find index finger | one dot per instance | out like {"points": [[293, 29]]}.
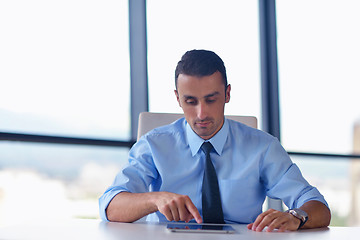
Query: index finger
{"points": [[193, 211]]}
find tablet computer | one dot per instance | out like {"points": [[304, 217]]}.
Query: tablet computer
{"points": [[200, 228]]}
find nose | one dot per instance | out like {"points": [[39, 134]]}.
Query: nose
{"points": [[202, 111]]}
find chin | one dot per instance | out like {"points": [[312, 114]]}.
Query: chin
{"points": [[204, 136]]}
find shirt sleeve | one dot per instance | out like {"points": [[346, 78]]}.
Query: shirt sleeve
{"points": [[283, 179], [135, 177]]}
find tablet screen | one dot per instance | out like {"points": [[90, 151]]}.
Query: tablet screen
{"points": [[209, 228]]}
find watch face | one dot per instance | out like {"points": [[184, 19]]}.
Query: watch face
{"points": [[302, 213]]}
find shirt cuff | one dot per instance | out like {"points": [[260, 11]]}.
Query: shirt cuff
{"points": [[104, 201]]}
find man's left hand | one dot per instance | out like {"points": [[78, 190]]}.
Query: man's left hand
{"points": [[273, 219]]}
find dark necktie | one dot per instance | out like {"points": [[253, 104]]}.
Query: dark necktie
{"points": [[211, 202]]}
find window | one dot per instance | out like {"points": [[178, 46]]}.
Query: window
{"points": [[64, 70], [229, 28], [318, 52], [54, 182]]}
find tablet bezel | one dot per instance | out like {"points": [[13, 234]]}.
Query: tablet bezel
{"points": [[200, 228]]}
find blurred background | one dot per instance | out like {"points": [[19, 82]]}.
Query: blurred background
{"points": [[74, 74]]}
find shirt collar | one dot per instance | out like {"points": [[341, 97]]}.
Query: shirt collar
{"points": [[218, 140]]}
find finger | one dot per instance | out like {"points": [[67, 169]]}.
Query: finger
{"points": [[185, 215], [258, 220], [174, 211], [167, 213], [194, 212], [276, 223], [249, 226], [266, 220], [283, 228], [283, 222]]}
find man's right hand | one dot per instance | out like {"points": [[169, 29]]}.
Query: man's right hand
{"points": [[176, 207], [129, 207]]}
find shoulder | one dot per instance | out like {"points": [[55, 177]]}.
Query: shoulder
{"points": [[175, 129], [160, 138], [253, 140], [241, 130]]}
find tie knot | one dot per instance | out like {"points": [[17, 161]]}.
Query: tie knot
{"points": [[206, 147]]}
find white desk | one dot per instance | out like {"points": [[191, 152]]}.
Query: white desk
{"points": [[95, 229]]}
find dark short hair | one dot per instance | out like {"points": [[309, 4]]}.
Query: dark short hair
{"points": [[200, 63]]}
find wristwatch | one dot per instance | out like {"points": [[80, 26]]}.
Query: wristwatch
{"points": [[299, 214]]}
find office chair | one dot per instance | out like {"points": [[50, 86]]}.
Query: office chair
{"points": [[151, 120]]}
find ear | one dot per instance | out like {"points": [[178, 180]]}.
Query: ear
{"points": [[177, 97], [227, 93]]}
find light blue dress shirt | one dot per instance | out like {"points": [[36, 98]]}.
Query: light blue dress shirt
{"points": [[250, 165]]}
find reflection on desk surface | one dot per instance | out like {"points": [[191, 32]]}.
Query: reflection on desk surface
{"points": [[96, 229]]}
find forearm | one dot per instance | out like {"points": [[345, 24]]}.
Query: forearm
{"points": [[129, 207], [319, 215]]}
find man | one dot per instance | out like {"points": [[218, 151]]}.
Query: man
{"points": [[165, 173]]}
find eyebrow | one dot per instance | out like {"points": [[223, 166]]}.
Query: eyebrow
{"points": [[212, 94], [206, 96]]}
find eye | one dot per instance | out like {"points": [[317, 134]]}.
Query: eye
{"points": [[210, 100], [191, 101]]}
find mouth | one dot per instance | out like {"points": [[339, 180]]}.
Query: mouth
{"points": [[203, 124]]}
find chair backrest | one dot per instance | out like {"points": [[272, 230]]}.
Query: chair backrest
{"points": [[150, 120]]}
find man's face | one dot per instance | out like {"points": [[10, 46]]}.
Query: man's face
{"points": [[203, 100]]}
